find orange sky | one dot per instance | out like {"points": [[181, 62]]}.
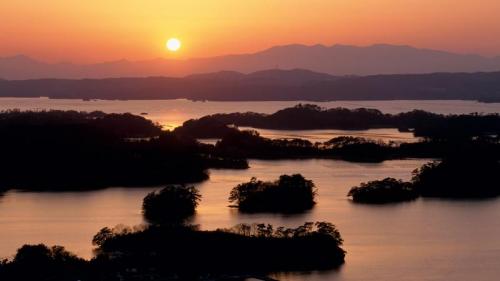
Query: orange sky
{"points": [[87, 31]]}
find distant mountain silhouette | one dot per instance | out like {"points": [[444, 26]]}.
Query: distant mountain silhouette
{"points": [[294, 84], [294, 77], [334, 60]]}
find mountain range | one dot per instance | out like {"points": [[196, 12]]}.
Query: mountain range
{"points": [[338, 60]]}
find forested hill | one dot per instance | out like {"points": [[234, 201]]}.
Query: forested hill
{"points": [[268, 85]]}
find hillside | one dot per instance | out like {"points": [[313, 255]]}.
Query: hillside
{"points": [[267, 85]]}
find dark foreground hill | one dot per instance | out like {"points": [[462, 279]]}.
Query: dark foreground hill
{"points": [[60, 150], [267, 85]]}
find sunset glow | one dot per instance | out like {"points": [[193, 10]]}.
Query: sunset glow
{"points": [[137, 30], [250, 140]]}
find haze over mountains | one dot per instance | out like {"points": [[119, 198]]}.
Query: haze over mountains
{"points": [[267, 85], [335, 60]]}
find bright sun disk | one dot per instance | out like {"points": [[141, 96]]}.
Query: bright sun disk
{"points": [[173, 44]]}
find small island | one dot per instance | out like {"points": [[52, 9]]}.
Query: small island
{"points": [[313, 117], [171, 205], [388, 190], [474, 174], [467, 176], [288, 194], [184, 253]]}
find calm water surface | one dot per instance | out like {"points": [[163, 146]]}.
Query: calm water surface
{"points": [[385, 134], [420, 240]]}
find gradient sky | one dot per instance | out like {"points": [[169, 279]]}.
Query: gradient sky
{"points": [[87, 31]]}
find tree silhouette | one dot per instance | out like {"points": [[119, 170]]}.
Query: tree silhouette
{"points": [[171, 205], [387, 190], [473, 175], [39, 262], [288, 194]]}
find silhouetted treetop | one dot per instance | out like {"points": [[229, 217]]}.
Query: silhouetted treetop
{"points": [[267, 230], [171, 205], [344, 141], [388, 190], [288, 194], [39, 262], [107, 233], [462, 176]]}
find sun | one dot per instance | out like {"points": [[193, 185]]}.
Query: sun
{"points": [[173, 44]]}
